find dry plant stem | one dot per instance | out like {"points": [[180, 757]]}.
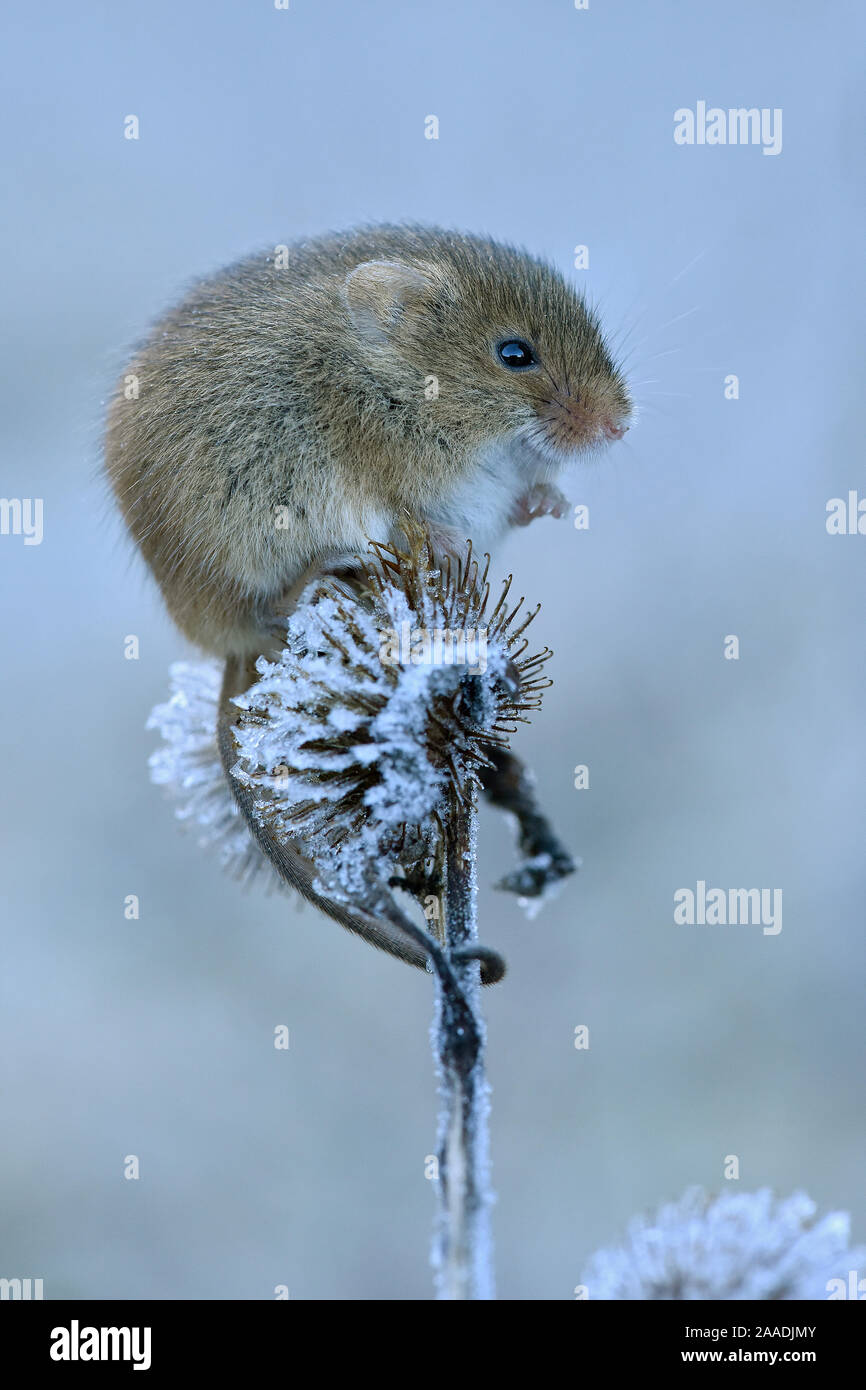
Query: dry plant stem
{"points": [[462, 1251]]}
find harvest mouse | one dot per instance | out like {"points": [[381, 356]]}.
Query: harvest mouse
{"points": [[292, 407]]}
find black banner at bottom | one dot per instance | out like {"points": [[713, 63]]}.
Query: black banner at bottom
{"points": [[157, 1339]]}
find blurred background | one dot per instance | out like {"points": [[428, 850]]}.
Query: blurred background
{"points": [[154, 1037]]}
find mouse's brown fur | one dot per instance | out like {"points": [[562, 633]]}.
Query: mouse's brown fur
{"points": [[287, 415]]}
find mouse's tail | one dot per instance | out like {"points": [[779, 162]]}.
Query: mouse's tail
{"points": [[392, 931]]}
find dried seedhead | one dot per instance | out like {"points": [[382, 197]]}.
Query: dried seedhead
{"points": [[384, 705]]}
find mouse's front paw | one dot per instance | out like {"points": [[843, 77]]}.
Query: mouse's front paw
{"points": [[541, 500]]}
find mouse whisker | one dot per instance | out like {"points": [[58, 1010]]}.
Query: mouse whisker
{"points": [[553, 382]]}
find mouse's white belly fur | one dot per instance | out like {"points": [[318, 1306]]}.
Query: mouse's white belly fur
{"points": [[482, 504]]}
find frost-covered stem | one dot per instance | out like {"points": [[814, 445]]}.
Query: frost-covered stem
{"points": [[462, 1249]]}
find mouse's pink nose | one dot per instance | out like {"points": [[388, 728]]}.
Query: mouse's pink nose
{"points": [[612, 430]]}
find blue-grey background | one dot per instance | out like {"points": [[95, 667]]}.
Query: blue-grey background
{"points": [[155, 1037]]}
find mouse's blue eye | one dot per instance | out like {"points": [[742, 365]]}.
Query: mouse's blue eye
{"points": [[515, 354]]}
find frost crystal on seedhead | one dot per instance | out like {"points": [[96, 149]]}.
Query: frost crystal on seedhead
{"points": [[188, 766], [734, 1246]]}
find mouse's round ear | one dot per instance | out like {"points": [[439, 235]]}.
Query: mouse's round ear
{"points": [[379, 293]]}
